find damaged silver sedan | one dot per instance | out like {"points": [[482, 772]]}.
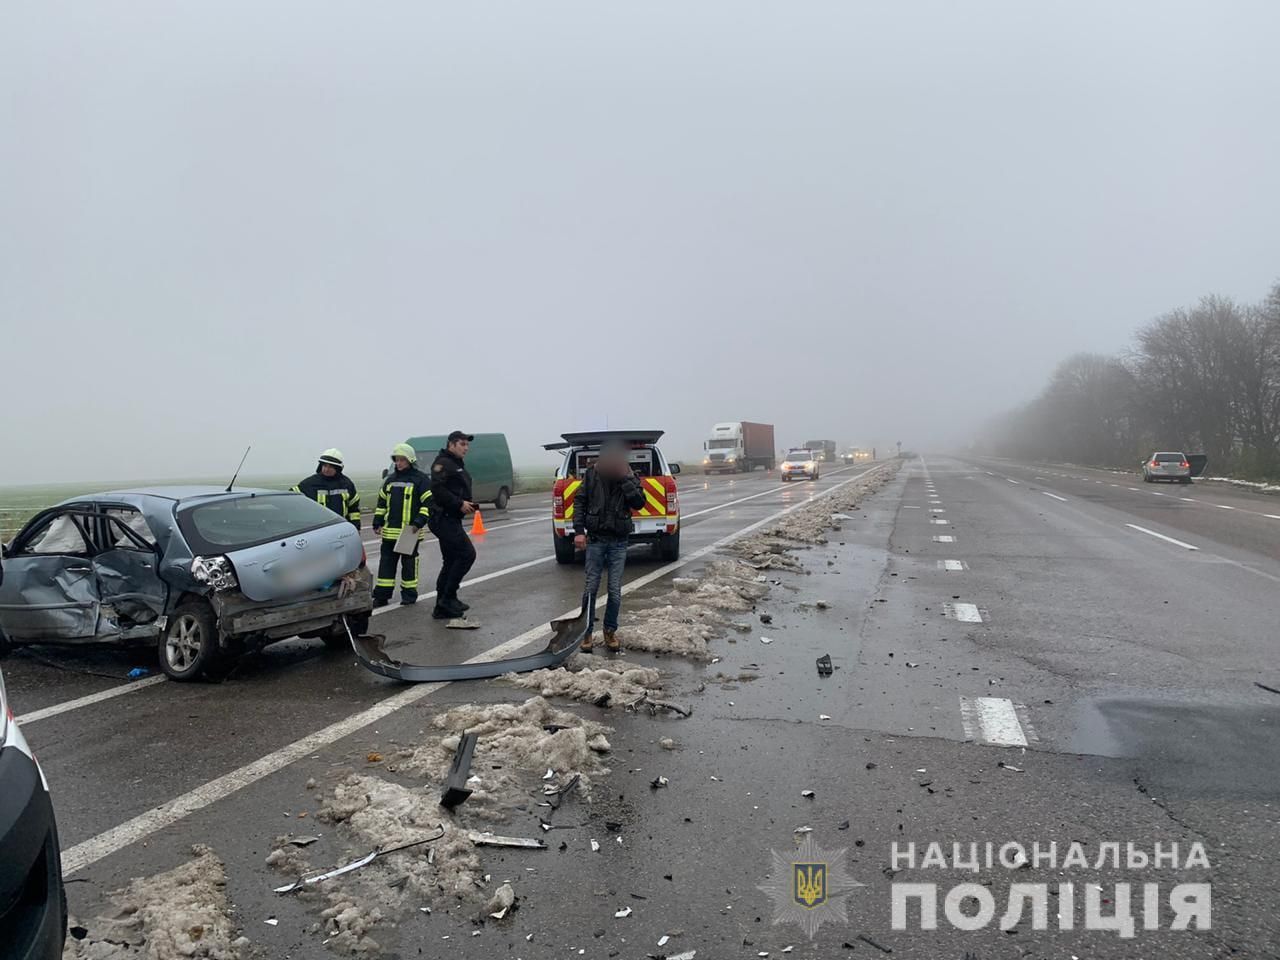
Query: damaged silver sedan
{"points": [[205, 574]]}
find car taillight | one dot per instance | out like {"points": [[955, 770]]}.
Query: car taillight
{"points": [[1155, 463], [1184, 464]]}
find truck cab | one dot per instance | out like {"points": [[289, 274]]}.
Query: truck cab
{"points": [[656, 523]]}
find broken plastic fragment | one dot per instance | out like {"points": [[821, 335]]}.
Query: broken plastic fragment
{"points": [[595, 846], [823, 716], [662, 941], [492, 840], [549, 774], [766, 640], [803, 830], [809, 794], [620, 914]]}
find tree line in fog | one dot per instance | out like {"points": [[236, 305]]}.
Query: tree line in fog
{"points": [[1200, 379]]}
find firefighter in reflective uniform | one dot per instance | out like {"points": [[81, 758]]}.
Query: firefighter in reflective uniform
{"points": [[332, 488], [450, 502], [403, 501]]}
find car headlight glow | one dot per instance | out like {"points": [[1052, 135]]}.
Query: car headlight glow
{"points": [[216, 572]]}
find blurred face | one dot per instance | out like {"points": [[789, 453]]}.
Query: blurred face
{"points": [[328, 470], [402, 463], [613, 462], [459, 448]]}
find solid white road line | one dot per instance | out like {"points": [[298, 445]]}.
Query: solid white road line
{"points": [[944, 539], [1154, 494], [1054, 495], [1134, 489], [549, 557], [140, 827], [1223, 506], [86, 701], [964, 612], [991, 720], [92, 698], [1272, 516], [952, 565], [1011, 480], [497, 525], [1161, 536], [1189, 499]]}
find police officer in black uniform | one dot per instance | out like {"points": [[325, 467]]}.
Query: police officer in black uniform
{"points": [[450, 502]]}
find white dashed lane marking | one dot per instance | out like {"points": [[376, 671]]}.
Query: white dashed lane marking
{"points": [[944, 539], [1161, 536], [964, 612], [1011, 480], [953, 565], [1054, 495], [992, 720]]}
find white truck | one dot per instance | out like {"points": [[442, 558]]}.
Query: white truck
{"points": [[739, 446]]}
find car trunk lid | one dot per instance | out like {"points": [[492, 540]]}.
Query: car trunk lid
{"points": [[297, 564]]}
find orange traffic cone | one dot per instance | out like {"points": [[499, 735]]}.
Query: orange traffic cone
{"points": [[477, 525]]}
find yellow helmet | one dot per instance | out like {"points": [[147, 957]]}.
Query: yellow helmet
{"points": [[406, 451]]}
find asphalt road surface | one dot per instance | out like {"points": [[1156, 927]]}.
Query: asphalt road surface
{"points": [[1025, 654]]}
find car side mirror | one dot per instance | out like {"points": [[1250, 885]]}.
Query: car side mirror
{"points": [[675, 468]]}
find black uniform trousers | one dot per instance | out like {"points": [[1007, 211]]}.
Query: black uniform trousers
{"points": [[456, 555], [386, 582]]}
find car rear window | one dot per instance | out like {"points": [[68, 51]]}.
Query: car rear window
{"points": [[1169, 457], [235, 523]]}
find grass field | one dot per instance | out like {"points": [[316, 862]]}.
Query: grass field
{"points": [[19, 504]]}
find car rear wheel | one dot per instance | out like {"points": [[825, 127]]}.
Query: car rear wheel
{"points": [[669, 547], [189, 645], [564, 549], [503, 496]]}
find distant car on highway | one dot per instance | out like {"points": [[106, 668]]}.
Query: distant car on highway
{"points": [[657, 522], [33, 904], [1173, 467], [800, 464], [204, 573]]}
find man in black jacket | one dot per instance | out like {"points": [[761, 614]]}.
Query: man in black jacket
{"points": [[332, 488], [450, 502], [602, 525]]}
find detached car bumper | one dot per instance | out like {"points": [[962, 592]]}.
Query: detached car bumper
{"points": [[240, 616], [32, 908]]}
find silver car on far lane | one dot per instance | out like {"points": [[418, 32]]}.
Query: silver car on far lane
{"points": [[1173, 467], [203, 573]]}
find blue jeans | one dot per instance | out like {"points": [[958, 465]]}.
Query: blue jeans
{"points": [[605, 554]]}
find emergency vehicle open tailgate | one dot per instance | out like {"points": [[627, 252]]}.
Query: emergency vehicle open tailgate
{"points": [[566, 637]]}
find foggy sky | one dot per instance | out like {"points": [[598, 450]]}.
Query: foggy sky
{"points": [[311, 224]]}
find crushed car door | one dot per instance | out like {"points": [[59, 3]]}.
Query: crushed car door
{"points": [[127, 564], [49, 590]]}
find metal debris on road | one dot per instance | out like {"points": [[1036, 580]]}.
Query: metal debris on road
{"points": [[301, 841], [823, 716], [765, 640], [1010, 767], [493, 840], [658, 782], [808, 794], [357, 864], [503, 899], [461, 624], [621, 914], [595, 845], [871, 943], [825, 666], [455, 785]]}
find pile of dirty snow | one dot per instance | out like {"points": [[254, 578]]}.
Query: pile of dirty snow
{"points": [[612, 683], [180, 913], [809, 525], [517, 744]]}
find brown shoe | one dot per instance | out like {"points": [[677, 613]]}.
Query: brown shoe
{"points": [[587, 644], [611, 641]]}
